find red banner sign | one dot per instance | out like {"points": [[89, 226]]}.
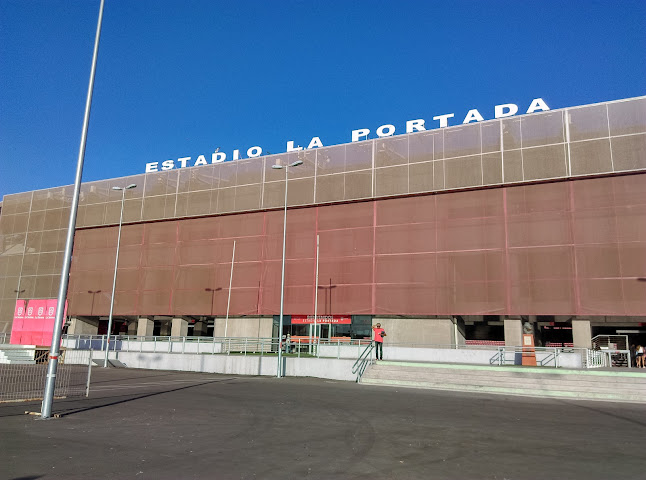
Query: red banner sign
{"points": [[33, 322], [306, 319]]}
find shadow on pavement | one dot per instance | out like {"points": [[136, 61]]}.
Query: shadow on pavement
{"points": [[130, 398], [18, 408], [606, 412]]}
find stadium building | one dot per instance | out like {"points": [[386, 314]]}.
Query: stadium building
{"points": [[455, 235]]}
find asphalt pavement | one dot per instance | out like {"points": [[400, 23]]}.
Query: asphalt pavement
{"points": [[144, 424]]}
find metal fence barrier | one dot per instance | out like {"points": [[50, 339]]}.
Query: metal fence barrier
{"points": [[549, 357], [318, 348], [545, 356], [25, 381], [227, 345], [610, 351]]}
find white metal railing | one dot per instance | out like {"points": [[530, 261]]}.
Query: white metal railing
{"points": [[239, 345], [596, 359], [4, 338], [610, 342], [608, 358], [610, 351], [552, 357], [544, 356]]}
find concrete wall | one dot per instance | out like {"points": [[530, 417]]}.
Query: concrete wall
{"points": [[476, 357], [513, 332], [179, 327], [423, 331], [330, 368], [145, 327], [83, 326], [236, 364], [483, 356], [448, 355], [240, 327], [581, 333]]}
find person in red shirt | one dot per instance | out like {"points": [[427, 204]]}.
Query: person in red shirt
{"points": [[380, 333]]}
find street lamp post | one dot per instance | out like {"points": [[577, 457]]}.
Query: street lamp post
{"points": [[226, 321], [212, 290], [54, 351], [282, 281], [18, 292], [93, 293], [116, 264], [316, 296], [328, 303]]}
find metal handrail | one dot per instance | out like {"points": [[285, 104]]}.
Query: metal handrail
{"points": [[551, 358], [363, 361]]}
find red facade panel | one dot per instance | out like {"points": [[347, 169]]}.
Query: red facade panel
{"points": [[563, 248]]}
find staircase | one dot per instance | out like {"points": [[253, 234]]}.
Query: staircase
{"points": [[17, 354], [625, 385]]}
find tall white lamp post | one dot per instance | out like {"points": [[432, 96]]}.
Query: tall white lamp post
{"points": [[226, 321], [282, 281], [55, 349], [116, 264]]}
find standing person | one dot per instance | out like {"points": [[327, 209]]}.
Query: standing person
{"points": [[380, 333], [640, 356]]}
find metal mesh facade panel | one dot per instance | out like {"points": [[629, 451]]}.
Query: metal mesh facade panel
{"points": [[545, 249], [592, 140]]}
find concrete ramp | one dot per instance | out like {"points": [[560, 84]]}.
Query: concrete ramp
{"points": [[625, 385]]}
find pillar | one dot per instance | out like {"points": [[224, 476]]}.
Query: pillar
{"points": [[179, 327], [199, 330], [513, 332], [132, 327], [165, 328], [83, 326], [581, 333], [145, 327], [419, 331], [250, 327], [459, 331]]}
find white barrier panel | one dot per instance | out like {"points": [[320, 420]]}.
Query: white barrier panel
{"points": [[235, 364], [448, 355]]}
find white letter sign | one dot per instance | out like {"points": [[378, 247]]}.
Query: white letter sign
{"points": [[357, 134], [510, 107], [537, 104], [444, 122]]}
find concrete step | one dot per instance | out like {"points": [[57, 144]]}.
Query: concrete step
{"points": [[579, 387], [541, 393], [579, 382], [630, 376], [480, 376], [17, 359], [16, 356], [622, 386]]}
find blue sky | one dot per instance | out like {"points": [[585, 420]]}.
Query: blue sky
{"points": [[180, 78]]}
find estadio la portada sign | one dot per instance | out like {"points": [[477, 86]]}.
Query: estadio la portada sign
{"points": [[387, 130]]}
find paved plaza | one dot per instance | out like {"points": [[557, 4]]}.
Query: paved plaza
{"points": [[166, 425]]}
